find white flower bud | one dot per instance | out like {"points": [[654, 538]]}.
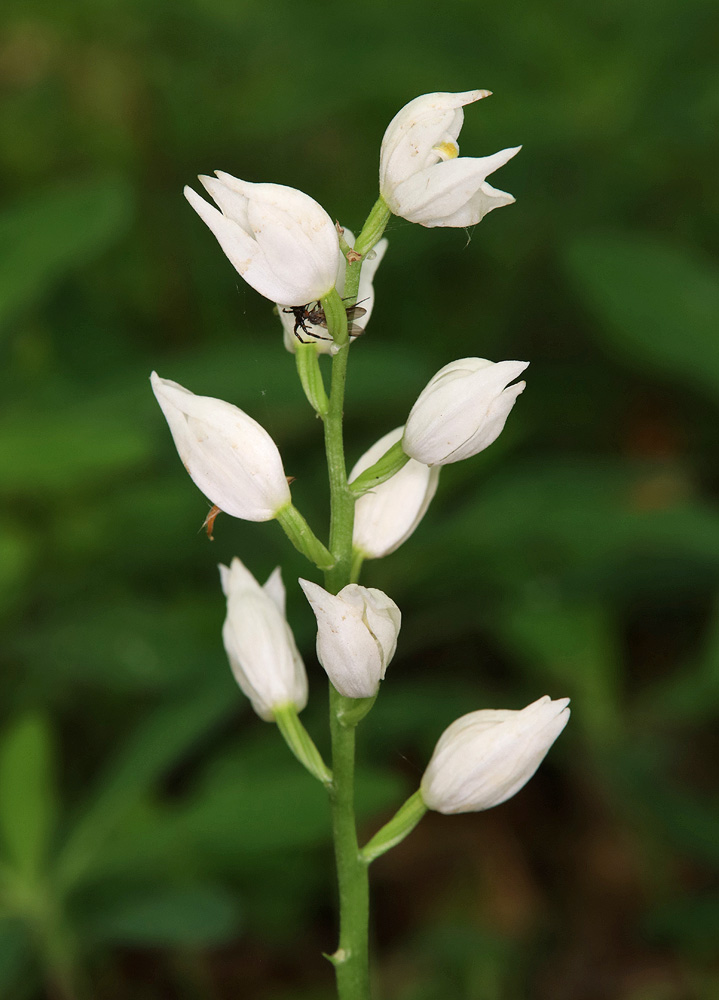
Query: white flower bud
{"points": [[259, 642], [229, 456], [279, 239], [387, 515], [356, 636], [421, 176], [315, 333], [462, 410], [484, 758]]}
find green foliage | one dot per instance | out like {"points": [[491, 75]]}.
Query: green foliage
{"points": [[657, 304], [196, 916], [143, 813], [28, 795], [56, 231]]}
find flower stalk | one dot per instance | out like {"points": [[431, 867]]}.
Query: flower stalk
{"points": [[351, 959], [287, 248], [303, 537], [308, 369], [392, 833], [301, 743]]}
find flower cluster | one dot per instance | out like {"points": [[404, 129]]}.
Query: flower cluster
{"points": [[288, 249]]}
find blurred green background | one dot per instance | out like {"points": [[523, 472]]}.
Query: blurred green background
{"points": [[157, 839]]}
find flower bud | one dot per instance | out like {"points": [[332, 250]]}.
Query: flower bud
{"points": [[387, 515], [279, 239], [229, 456], [319, 335], [259, 642], [484, 758], [462, 410], [422, 177], [356, 636]]}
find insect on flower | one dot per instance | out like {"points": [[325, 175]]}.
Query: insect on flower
{"points": [[313, 313]]}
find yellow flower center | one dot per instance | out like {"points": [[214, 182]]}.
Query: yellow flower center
{"points": [[447, 150]]}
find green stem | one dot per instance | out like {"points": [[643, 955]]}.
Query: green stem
{"points": [[301, 744], [403, 822], [341, 498], [351, 960], [371, 235], [308, 368], [358, 559], [303, 537], [383, 469]]}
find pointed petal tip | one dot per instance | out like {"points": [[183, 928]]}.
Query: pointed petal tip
{"points": [[470, 96]]}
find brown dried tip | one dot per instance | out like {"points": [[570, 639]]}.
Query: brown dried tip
{"points": [[209, 522], [290, 479], [353, 256], [340, 230]]}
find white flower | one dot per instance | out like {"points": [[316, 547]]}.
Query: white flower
{"points": [[421, 176], [259, 642], [229, 456], [387, 515], [279, 239], [462, 410], [484, 758], [356, 635], [365, 297]]}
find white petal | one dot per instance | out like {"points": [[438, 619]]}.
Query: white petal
{"points": [[297, 259], [243, 252], [259, 642], [443, 191], [229, 456], [408, 142], [232, 204], [387, 516], [275, 589]]}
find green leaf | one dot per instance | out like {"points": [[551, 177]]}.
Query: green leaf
{"points": [[16, 551], [174, 916], [156, 746], [672, 813], [691, 922], [15, 951], [656, 303], [58, 450], [573, 648], [44, 237], [28, 795]]}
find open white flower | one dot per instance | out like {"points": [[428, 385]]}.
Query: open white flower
{"points": [[357, 633], [229, 456], [423, 179], [462, 410], [484, 758], [259, 642], [319, 335], [388, 514], [279, 239]]}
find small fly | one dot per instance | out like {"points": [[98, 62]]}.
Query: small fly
{"points": [[313, 313]]}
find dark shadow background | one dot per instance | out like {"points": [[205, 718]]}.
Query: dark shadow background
{"points": [[157, 839]]}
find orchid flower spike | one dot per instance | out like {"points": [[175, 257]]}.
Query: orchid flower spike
{"points": [[462, 410], [421, 175], [484, 758], [229, 456], [279, 239], [259, 642]]}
